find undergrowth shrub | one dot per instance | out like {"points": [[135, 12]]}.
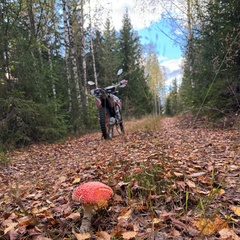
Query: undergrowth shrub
{"points": [[24, 121]]}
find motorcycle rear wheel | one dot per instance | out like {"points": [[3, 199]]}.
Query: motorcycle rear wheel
{"points": [[104, 116]]}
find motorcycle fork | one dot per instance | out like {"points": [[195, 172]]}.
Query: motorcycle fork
{"points": [[98, 102]]}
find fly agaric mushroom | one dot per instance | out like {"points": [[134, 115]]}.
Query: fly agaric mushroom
{"points": [[91, 195]]}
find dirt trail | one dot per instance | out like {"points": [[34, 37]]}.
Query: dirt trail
{"points": [[202, 164]]}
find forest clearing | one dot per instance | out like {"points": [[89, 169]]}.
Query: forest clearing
{"points": [[170, 181]]}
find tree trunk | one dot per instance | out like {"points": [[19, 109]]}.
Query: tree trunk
{"points": [[84, 65], [190, 36], [73, 56], [92, 47], [52, 79], [66, 41]]}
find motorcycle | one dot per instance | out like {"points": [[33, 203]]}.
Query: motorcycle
{"points": [[110, 107]]}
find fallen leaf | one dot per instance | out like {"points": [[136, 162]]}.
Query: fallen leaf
{"points": [[220, 191], [74, 216], [219, 223], [205, 226], [152, 163], [125, 215], [236, 210], [81, 236], [13, 235], [41, 238], [190, 183], [10, 227], [76, 180], [156, 220], [198, 174], [103, 236], [26, 221], [129, 235], [174, 233], [177, 174], [227, 233]]}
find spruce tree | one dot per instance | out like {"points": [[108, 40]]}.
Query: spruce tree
{"points": [[213, 86], [109, 55], [137, 95]]}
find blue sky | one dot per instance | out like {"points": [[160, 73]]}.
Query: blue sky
{"points": [[148, 21], [169, 52], [158, 33]]}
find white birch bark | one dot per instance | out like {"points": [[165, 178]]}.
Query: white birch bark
{"points": [[53, 82], [66, 41], [190, 36], [84, 65], [92, 47], [73, 55]]}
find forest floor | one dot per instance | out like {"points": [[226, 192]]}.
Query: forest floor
{"points": [[171, 181]]}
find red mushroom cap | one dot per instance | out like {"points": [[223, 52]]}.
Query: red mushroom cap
{"points": [[95, 193]]}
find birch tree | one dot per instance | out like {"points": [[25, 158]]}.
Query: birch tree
{"points": [[83, 52], [92, 45], [73, 51], [155, 80], [67, 52]]}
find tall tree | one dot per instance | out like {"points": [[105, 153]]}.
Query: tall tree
{"points": [[92, 45], [137, 95], [67, 54], [31, 67], [155, 79], [109, 55], [173, 106], [215, 56]]}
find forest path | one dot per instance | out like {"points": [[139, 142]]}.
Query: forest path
{"points": [[170, 181]]}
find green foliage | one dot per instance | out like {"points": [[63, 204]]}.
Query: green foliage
{"points": [[155, 78], [137, 95], [109, 56], [40, 73], [173, 103], [211, 83], [150, 181], [88, 120], [168, 109], [24, 121], [4, 160]]}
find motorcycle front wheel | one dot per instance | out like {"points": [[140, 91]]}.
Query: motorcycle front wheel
{"points": [[107, 130]]}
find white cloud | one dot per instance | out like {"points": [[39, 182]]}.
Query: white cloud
{"points": [[141, 15], [173, 70], [141, 12]]}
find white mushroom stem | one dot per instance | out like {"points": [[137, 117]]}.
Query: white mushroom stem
{"points": [[87, 217]]}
